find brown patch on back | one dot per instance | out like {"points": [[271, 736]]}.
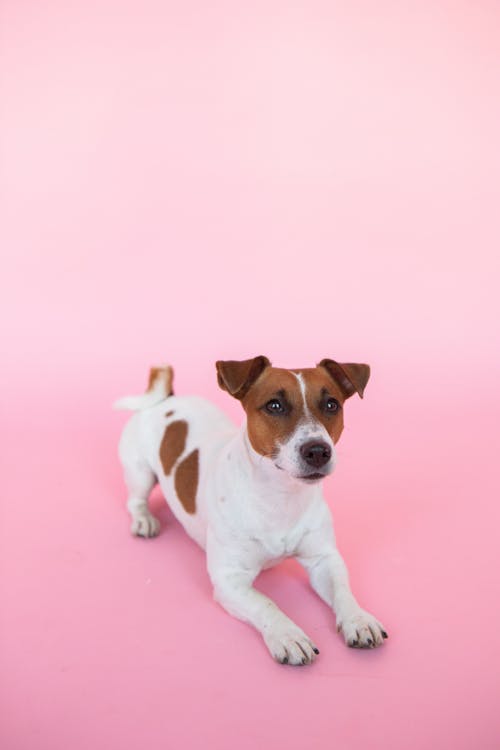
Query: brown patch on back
{"points": [[173, 444], [186, 481]]}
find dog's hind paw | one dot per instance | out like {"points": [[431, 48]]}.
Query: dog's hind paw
{"points": [[145, 525]]}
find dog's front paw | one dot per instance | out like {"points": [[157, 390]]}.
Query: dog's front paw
{"points": [[145, 524], [290, 645], [361, 630]]}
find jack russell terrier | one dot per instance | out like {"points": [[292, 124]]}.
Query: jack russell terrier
{"points": [[251, 496]]}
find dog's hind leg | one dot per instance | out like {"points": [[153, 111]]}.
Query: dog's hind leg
{"points": [[140, 480]]}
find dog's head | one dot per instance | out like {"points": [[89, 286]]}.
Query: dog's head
{"points": [[294, 417]]}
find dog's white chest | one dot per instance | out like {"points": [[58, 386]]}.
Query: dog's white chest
{"points": [[272, 554], [277, 546]]}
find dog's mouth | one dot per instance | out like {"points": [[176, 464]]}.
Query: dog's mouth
{"points": [[313, 477]]}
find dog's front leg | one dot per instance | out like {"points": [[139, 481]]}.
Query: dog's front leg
{"points": [[233, 589], [329, 578]]}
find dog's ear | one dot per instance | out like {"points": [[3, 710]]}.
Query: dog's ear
{"points": [[350, 377], [237, 377]]}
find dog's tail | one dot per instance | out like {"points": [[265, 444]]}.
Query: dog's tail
{"points": [[159, 388]]}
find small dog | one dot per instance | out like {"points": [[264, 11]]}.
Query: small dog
{"points": [[251, 496]]}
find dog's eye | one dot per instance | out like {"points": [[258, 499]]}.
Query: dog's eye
{"points": [[274, 406], [332, 405]]}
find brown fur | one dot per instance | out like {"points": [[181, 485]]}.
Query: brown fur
{"points": [[265, 430], [186, 481], [351, 377], [238, 377], [173, 444], [170, 413]]}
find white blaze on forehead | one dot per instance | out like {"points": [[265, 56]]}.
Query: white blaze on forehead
{"points": [[309, 427], [302, 387]]}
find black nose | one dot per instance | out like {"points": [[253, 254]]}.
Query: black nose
{"points": [[316, 454]]}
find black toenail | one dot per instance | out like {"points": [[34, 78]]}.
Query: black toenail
{"points": [[316, 651], [384, 634]]}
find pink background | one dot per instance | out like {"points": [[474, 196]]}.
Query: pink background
{"points": [[192, 181]]}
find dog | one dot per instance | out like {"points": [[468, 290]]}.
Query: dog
{"points": [[251, 496]]}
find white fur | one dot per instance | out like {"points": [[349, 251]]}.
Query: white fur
{"points": [[250, 514]]}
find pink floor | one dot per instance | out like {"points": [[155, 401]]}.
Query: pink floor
{"points": [[195, 181], [110, 641]]}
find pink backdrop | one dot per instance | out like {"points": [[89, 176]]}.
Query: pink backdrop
{"points": [[193, 181]]}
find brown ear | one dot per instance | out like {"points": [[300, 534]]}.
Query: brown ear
{"points": [[237, 377], [350, 377]]}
